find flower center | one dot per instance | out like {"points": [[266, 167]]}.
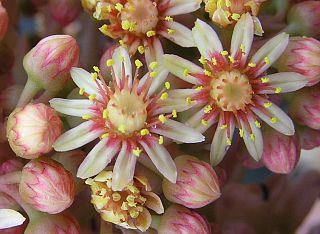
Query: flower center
{"points": [[231, 91], [139, 16], [127, 111]]}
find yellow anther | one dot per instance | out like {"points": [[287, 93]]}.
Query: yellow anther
{"points": [[141, 49], [153, 65], [174, 113], [162, 118], [160, 140], [214, 61], [231, 59], [121, 58], [119, 7], [235, 16], [121, 42], [167, 85], [138, 63], [207, 73], [116, 196], [267, 60], [134, 214], [168, 18], [224, 126], [125, 24], [109, 62], [170, 31], [86, 116], [207, 109], [265, 80], [252, 137], [92, 97], [105, 114], [153, 74], [257, 123], [124, 206], [199, 88], [228, 141], [202, 60], [105, 135], [151, 33], [252, 65], [122, 128], [267, 104], [164, 96], [242, 48], [109, 9], [144, 132], [104, 29], [204, 122], [228, 3], [81, 91], [94, 76], [241, 132], [96, 69], [278, 90], [188, 100], [224, 53], [186, 72], [137, 151], [274, 120]]}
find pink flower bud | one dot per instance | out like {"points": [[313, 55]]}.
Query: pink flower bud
{"points": [[31, 130], [46, 186], [302, 55], [197, 183], [303, 19], [10, 166], [309, 138], [281, 153], [48, 65], [55, 224], [4, 19], [64, 11], [178, 219], [304, 108]]}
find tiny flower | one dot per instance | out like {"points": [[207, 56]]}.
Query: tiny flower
{"points": [[281, 153], [126, 208], [48, 65], [31, 130], [197, 183], [302, 56], [64, 12], [46, 186], [304, 108], [303, 19], [309, 138], [10, 218], [4, 19], [127, 116], [234, 90], [227, 12], [178, 219]]}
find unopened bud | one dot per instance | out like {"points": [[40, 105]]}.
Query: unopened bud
{"points": [[64, 11], [309, 138]]}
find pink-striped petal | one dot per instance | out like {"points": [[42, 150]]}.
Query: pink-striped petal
{"points": [[120, 55], [178, 7], [195, 121], [178, 33], [72, 107]]}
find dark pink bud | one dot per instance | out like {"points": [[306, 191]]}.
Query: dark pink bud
{"points": [[64, 11]]}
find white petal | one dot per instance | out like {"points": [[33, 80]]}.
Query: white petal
{"points": [[73, 107], [195, 121], [10, 218], [242, 35], [83, 79], [287, 81], [271, 50], [120, 54], [178, 7], [255, 147], [153, 53], [161, 159], [182, 35], [123, 170], [206, 39], [77, 137], [178, 132], [284, 124], [177, 66], [219, 145], [98, 158]]}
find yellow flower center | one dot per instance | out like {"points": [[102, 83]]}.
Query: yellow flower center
{"points": [[231, 91], [139, 16], [127, 111]]}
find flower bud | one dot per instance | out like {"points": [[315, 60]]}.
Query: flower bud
{"points": [[46, 186], [281, 153], [10, 165], [302, 55], [55, 224], [197, 183], [4, 19], [303, 19], [309, 138], [178, 219], [304, 108], [48, 66], [64, 11], [31, 130]]}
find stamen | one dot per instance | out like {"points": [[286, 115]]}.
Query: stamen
{"points": [[153, 65], [138, 63], [235, 16], [185, 72], [224, 53], [257, 123], [81, 91], [122, 128], [136, 152], [224, 126], [267, 104], [199, 88], [160, 140], [188, 100], [153, 74], [252, 65], [278, 90], [174, 114], [207, 109], [170, 31], [103, 136], [202, 60], [141, 49], [168, 18], [167, 85], [228, 141], [267, 60], [164, 96], [151, 33], [204, 122], [92, 97], [105, 114], [109, 62], [252, 137], [241, 132], [119, 7], [144, 132], [274, 120], [162, 118], [86, 116], [265, 80]]}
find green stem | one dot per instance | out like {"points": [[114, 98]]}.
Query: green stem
{"points": [[29, 91]]}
